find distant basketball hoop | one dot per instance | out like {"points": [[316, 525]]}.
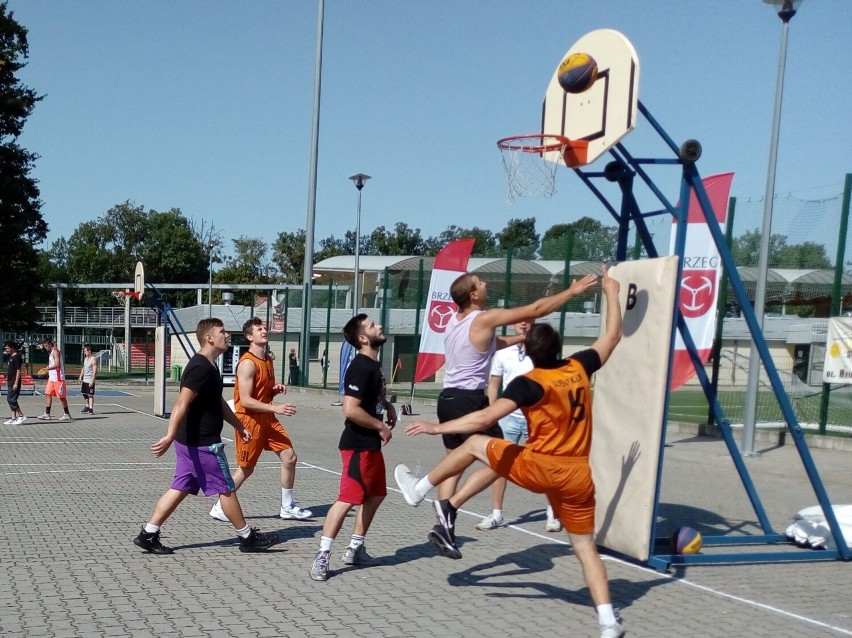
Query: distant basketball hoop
{"points": [[121, 294]]}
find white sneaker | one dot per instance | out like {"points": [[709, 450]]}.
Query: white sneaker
{"points": [[44, 417], [292, 511], [65, 417], [10, 421], [407, 483], [553, 525], [491, 522], [613, 631], [217, 513], [19, 420]]}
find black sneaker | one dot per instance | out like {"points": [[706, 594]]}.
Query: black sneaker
{"points": [[150, 542], [257, 541], [446, 514], [438, 537]]}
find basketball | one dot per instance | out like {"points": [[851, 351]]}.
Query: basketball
{"points": [[577, 72], [686, 540]]}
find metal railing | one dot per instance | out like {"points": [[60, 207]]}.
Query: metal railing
{"points": [[104, 317]]}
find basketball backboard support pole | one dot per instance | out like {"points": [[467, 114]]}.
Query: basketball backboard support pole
{"points": [[166, 320], [623, 170]]}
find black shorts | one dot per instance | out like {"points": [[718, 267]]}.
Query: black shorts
{"points": [[87, 390], [12, 398], [454, 403]]}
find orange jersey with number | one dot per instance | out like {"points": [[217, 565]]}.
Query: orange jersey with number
{"points": [[264, 381], [561, 423]]}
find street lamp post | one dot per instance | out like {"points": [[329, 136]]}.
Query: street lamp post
{"points": [[210, 247], [360, 179], [786, 11]]}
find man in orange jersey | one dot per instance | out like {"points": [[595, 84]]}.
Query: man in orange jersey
{"points": [[253, 394], [555, 397]]}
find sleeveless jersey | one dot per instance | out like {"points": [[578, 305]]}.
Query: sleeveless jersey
{"points": [[466, 367], [264, 380], [54, 358], [561, 423]]}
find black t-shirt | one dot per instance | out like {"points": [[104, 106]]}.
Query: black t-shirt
{"points": [[14, 369], [364, 381], [526, 392], [203, 422]]}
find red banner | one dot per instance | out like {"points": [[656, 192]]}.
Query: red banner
{"points": [[450, 263]]}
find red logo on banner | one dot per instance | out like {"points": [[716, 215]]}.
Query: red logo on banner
{"points": [[440, 313], [697, 290]]}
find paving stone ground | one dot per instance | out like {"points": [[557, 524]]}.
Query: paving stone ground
{"points": [[72, 495]]}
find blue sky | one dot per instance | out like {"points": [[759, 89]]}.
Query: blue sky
{"points": [[207, 106]]}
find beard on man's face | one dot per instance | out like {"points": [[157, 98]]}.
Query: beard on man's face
{"points": [[375, 342]]}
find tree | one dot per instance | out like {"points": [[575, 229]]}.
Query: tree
{"points": [[485, 244], [592, 240], [521, 236], [21, 223], [249, 265], [402, 241], [107, 249], [746, 251], [288, 255]]}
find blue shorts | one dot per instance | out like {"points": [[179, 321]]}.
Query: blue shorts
{"points": [[202, 468], [514, 428]]}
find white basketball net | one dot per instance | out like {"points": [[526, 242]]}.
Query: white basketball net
{"points": [[528, 174], [119, 295]]}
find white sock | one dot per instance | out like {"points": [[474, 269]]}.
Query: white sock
{"points": [[423, 486], [497, 513], [150, 528], [245, 532], [606, 615], [325, 543], [550, 516], [356, 541], [286, 497]]}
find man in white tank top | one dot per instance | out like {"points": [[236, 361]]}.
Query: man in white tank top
{"points": [[470, 340], [56, 386]]}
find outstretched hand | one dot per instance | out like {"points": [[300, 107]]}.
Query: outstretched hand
{"points": [[420, 427], [579, 286], [609, 285]]}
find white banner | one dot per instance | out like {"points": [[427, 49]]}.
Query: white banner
{"points": [[699, 284], [838, 352]]}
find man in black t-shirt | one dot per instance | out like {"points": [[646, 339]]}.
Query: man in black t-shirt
{"points": [[195, 428], [362, 480], [13, 382]]}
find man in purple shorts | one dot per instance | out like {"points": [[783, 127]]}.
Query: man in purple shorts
{"points": [[195, 427]]}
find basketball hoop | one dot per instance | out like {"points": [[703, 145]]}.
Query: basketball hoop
{"points": [[121, 294], [530, 162]]}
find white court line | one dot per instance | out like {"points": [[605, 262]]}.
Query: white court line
{"points": [[551, 539]]}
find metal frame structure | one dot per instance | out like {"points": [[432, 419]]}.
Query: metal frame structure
{"points": [[623, 170]]}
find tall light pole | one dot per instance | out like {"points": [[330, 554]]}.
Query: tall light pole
{"points": [[360, 179], [786, 11], [210, 246], [310, 224]]}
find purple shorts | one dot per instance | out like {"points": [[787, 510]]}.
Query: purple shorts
{"points": [[202, 468]]}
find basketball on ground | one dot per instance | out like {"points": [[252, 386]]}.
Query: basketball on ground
{"points": [[577, 72], [686, 540]]}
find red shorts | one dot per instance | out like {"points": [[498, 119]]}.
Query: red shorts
{"points": [[566, 481], [363, 476], [268, 434], [58, 389]]}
